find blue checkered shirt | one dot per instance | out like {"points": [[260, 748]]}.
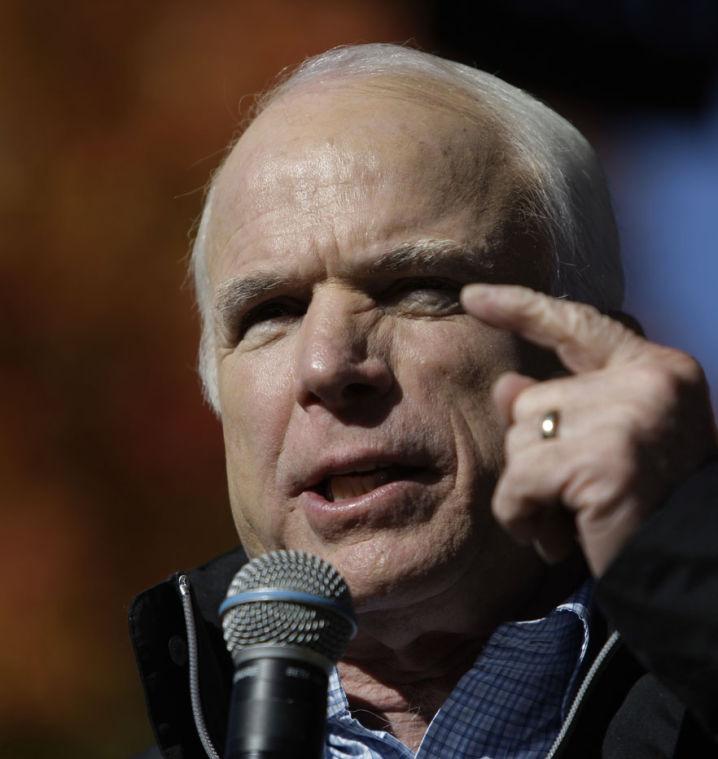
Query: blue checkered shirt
{"points": [[511, 703]]}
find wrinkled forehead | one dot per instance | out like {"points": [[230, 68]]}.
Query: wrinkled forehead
{"points": [[348, 136]]}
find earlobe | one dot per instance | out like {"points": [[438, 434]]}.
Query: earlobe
{"points": [[628, 321]]}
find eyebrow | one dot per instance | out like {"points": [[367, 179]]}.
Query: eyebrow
{"points": [[436, 256], [427, 256], [235, 294]]}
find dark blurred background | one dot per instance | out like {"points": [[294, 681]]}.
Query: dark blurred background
{"points": [[113, 116]]}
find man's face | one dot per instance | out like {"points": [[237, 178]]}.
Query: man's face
{"points": [[355, 394]]}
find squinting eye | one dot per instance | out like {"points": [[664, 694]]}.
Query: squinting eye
{"points": [[425, 295], [269, 315]]}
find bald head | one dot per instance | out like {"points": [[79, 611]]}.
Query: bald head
{"points": [[360, 138], [362, 119]]}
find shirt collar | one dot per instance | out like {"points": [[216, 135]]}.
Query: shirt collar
{"points": [[578, 604]]}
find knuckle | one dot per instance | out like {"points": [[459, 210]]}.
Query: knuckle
{"points": [[524, 403], [656, 382], [669, 372], [686, 369], [582, 319]]}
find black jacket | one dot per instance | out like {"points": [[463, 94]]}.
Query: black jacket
{"points": [[652, 692], [661, 593]]}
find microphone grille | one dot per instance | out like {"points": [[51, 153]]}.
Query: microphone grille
{"points": [[322, 629]]}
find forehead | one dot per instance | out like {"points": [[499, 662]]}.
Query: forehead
{"points": [[362, 156]]}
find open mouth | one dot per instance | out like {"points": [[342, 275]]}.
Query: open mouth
{"points": [[361, 481]]}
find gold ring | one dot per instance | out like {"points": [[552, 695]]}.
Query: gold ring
{"points": [[549, 425]]}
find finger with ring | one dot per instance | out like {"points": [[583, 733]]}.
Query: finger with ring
{"points": [[549, 425]]}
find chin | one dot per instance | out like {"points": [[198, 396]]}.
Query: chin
{"points": [[384, 572]]}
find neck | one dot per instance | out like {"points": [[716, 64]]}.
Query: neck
{"points": [[406, 660], [400, 690]]}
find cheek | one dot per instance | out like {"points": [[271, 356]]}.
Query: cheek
{"points": [[460, 359], [256, 398], [450, 369]]}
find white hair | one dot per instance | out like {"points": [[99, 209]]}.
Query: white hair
{"points": [[568, 195]]}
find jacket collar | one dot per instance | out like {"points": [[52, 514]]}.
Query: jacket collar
{"points": [[159, 638]]}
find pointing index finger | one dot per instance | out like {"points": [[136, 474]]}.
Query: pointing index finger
{"points": [[582, 337]]}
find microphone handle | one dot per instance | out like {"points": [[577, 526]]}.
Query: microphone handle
{"points": [[278, 710]]}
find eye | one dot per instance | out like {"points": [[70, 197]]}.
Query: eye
{"points": [[424, 296], [269, 317]]}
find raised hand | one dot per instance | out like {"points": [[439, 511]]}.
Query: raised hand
{"points": [[590, 455]]}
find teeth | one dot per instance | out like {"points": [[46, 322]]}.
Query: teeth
{"points": [[352, 485]]}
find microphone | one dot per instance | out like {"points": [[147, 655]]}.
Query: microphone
{"points": [[287, 620]]}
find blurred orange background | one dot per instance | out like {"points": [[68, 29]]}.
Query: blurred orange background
{"points": [[114, 114]]}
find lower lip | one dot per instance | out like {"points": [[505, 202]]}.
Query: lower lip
{"points": [[385, 503]]}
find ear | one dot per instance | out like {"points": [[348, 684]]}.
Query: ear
{"points": [[628, 321]]}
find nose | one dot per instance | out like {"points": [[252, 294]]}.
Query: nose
{"points": [[334, 365]]}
